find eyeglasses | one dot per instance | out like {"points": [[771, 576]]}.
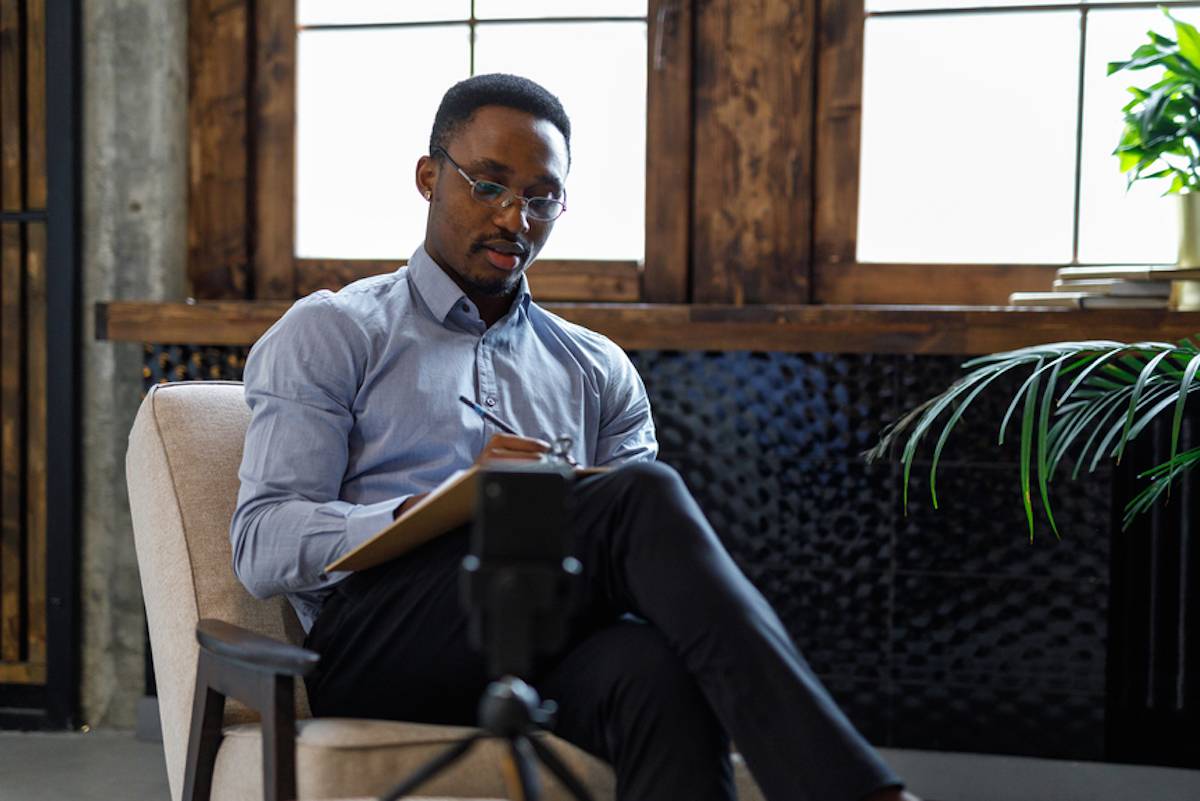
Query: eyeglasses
{"points": [[490, 193]]}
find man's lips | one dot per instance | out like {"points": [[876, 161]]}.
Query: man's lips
{"points": [[503, 255]]}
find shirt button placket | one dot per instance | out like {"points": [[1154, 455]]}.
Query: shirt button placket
{"points": [[487, 375]]}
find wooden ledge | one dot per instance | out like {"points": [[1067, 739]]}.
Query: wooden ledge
{"points": [[813, 329]]}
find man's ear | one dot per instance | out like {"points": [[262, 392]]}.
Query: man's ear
{"points": [[427, 172]]}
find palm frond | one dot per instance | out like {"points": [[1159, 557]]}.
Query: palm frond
{"points": [[1115, 390]]}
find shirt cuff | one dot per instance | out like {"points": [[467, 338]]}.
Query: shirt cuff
{"points": [[367, 521]]}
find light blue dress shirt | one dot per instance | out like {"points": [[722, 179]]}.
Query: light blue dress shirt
{"points": [[354, 408]]}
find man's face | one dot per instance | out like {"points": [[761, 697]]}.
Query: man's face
{"points": [[483, 248]]}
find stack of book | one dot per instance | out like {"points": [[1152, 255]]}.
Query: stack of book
{"points": [[1108, 288]]}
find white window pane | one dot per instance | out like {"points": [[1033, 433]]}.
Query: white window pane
{"points": [[531, 9], [361, 125], [360, 12], [968, 150], [1115, 226], [911, 5], [605, 216]]}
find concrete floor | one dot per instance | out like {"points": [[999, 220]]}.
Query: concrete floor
{"points": [[113, 766], [96, 766]]}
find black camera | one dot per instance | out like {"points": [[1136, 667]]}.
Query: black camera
{"points": [[518, 579]]}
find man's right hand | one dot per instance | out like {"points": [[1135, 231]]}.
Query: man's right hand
{"points": [[507, 446]]}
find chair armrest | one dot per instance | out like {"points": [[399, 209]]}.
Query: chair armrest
{"points": [[230, 643]]}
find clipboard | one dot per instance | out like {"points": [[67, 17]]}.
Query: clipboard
{"points": [[447, 506]]}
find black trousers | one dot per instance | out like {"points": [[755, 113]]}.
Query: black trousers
{"points": [[657, 696]]}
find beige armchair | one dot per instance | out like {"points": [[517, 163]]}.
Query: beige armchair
{"points": [[182, 463]]}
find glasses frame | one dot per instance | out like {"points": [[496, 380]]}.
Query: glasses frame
{"points": [[509, 197]]}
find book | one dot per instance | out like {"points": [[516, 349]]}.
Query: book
{"points": [[1155, 272], [447, 506], [1083, 300], [1114, 287]]}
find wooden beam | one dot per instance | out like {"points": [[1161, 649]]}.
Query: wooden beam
{"points": [[274, 151], [837, 137], [218, 188], [599, 281], [936, 284], [36, 487], [668, 151], [35, 104], [12, 442], [960, 330], [752, 201], [22, 673]]}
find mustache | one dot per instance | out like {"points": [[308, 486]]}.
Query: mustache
{"points": [[500, 239]]}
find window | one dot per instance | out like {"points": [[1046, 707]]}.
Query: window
{"points": [[369, 78], [987, 135]]}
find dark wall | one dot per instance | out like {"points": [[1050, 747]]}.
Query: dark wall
{"points": [[941, 629]]}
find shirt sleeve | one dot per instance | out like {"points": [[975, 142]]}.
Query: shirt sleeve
{"points": [[301, 380], [626, 425]]}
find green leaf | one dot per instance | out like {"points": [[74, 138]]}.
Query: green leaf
{"points": [[1042, 448], [1138, 389], [1185, 386], [953, 421], [1026, 444], [1189, 40]]}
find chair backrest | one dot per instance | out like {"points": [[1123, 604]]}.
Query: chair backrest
{"points": [[182, 469]]}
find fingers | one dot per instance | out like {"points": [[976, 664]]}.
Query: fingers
{"points": [[507, 446]]}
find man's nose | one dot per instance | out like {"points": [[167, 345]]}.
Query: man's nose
{"points": [[512, 218]]}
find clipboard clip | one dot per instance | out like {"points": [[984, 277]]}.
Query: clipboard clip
{"points": [[560, 451]]}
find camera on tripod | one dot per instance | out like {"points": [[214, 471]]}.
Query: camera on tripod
{"points": [[517, 584]]}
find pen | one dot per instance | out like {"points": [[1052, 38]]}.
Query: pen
{"points": [[486, 415]]}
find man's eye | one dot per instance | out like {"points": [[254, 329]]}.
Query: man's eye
{"points": [[542, 204], [487, 190]]}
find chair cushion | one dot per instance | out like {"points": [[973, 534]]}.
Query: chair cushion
{"points": [[339, 757]]}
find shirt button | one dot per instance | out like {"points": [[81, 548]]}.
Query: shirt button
{"points": [[490, 401]]}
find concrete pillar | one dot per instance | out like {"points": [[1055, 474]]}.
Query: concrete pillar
{"points": [[134, 247]]}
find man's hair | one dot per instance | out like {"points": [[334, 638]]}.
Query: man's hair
{"points": [[462, 100]]}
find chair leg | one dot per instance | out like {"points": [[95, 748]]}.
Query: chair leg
{"points": [[278, 738], [208, 706]]}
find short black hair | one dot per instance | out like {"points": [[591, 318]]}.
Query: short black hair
{"points": [[462, 100]]}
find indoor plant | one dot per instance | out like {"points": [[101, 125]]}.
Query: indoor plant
{"points": [[1161, 138]]}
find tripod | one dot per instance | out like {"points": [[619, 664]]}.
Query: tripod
{"points": [[509, 709]]}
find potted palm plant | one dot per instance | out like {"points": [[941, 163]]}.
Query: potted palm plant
{"points": [[1161, 138], [1083, 402]]}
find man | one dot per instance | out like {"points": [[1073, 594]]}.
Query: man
{"points": [[355, 417]]}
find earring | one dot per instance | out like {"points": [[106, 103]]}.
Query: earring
{"points": [[428, 194]]}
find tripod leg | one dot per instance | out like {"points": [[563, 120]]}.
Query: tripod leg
{"points": [[523, 760], [432, 768], [556, 766]]}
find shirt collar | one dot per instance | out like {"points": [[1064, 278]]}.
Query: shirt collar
{"points": [[440, 293]]}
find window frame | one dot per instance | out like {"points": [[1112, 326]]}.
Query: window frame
{"points": [[247, 250], [838, 276]]}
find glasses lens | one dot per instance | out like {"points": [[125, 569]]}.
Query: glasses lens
{"points": [[490, 193], [544, 208]]}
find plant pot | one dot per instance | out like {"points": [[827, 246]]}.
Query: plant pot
{"points": [[1185, 295]]}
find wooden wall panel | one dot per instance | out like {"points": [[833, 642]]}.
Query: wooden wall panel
{"points": [[36, 489], [837, 135], [751, 207], [668, 152], [274, 150], [35, 104], [11, 443], [11, 335], [218, 199]]}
